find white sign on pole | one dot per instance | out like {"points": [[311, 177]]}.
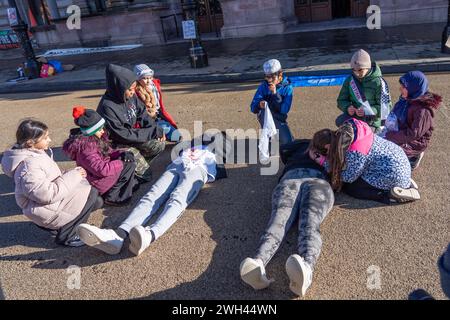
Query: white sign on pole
{"points": [[189, 29], [12, 16]]}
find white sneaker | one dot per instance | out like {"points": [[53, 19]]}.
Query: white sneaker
{"points": [[416, 163], [299, 273], [405, 195], [414, 184], [253, 273], [140, 239], [106, 240]]}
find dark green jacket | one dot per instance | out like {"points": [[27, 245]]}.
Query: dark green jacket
{"points": [[371, 85]]}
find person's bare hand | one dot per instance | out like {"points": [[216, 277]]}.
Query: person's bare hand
{"points": [[272, 88], [262, 104], [81, 171], [312, 154], [360, 112], [163, 138], [351, 110]]}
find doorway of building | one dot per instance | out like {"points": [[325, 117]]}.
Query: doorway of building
{"points": [[210, 17], [324, 10]]}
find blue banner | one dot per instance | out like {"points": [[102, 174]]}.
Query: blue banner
{"points": [[318, 81]]}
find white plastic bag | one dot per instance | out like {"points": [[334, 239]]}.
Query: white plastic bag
{"points": [[268, 131], [391, 123]]}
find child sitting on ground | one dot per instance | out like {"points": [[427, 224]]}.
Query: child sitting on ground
{"points": [[148, 89], [364, 165], [411, 122], [53, 200], [110, 171]]}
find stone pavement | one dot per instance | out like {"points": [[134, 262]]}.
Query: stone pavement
{"points": [[396, 49], [199, 257]]}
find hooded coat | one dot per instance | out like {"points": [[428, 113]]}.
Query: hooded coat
{"points": [[46, 196], [415, 115], [127, 122]]}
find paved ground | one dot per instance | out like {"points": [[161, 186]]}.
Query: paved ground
{"points": [[396, 49], [199, 257]]}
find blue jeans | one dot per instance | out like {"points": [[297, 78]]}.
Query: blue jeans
{"points": [[176, 186], [284, 132], [171, 133]]}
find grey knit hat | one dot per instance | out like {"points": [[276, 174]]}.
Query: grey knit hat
{"points": [[361, 60], [143, 70]]}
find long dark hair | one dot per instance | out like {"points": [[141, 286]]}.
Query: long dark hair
{"points": [[104, 143], [29, 132]]}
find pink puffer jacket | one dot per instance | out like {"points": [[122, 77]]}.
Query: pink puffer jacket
{"points": [[46, 196]]}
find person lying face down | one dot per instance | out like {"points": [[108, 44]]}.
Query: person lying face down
{"points": [[303, 192]]}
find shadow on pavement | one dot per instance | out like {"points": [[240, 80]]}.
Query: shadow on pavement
{"points": [[2, 295], [7, 199], [346, 202], [52, 256], [34, 96]]}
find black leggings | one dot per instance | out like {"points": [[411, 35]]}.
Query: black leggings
{"points": [[69, 231], [123, 189], [362, 190]]}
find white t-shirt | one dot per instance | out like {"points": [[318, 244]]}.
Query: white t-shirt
{"points": [[199, 156]]}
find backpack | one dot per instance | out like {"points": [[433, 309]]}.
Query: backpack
{"points": [[47, 71]]}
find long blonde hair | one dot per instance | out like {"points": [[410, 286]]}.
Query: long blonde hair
{"points": [[148, 98]]}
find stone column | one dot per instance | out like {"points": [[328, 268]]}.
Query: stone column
{"points": [[411, 12], [246, 18]]}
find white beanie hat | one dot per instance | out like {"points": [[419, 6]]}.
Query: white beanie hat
{"points": [[143, 70], [271, 66], [361, 59]]}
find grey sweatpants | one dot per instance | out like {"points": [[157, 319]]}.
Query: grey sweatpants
{"points": [[176, 186], [304, 194]]}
